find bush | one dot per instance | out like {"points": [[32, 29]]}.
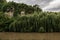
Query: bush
{"points": [[35, 23]]}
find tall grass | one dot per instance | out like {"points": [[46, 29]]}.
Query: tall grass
{"points": [[42, 22]]}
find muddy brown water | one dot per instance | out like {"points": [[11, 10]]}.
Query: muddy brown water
{"points": [[30, 36]]}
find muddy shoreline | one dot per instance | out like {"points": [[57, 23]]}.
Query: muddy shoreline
{"points": [[29, 36]]}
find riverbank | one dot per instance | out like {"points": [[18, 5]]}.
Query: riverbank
{"points": [[29, 36]]}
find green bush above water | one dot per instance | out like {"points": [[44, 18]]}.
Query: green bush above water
{"points": [[42, 22]]}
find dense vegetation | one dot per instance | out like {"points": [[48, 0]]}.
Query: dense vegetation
{"points": [[34, 19]]}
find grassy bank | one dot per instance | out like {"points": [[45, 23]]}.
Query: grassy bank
{"points": [[42, 22]]}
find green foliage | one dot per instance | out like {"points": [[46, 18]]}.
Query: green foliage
{"points": [[37, 21], [42, 22], [2, 3], [41, 29], [18, 7]]}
